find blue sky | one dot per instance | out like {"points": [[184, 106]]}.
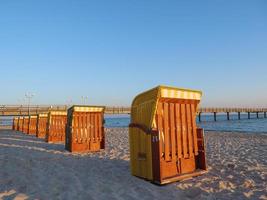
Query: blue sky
{"points": [[112, 50]]}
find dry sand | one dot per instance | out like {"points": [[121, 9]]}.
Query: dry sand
{"points": [[33, 169]]}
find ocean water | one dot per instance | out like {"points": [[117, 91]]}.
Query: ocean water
{"points": [[252, 125], [6, 121]]}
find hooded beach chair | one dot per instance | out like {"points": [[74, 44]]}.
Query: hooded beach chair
{"points": [[165, 143]]}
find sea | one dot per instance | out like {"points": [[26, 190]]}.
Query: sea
{"points": [[244, 125]]}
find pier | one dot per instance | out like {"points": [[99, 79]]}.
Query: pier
{"points": [[23, 110], [228, 111]]}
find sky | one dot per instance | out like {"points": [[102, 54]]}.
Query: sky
{"points": [[110, 51]]}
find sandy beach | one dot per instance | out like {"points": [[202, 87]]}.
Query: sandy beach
{"points": [[33, 169]]}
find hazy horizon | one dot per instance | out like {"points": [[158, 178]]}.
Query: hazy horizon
{"points": [[112, 51]]}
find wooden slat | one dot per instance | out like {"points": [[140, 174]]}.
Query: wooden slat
{"points": [[166, 131], [41, 126], [194, 127], [59, 125], [51, 126], [64, 128], [184, 132], [178, 129], [85, 127], [75, 127], [96, 127], [189, 130], [61, 120], [89, 126], [160, 129], [57, 130], [92, 127], [55, 126], [80, 127], [71, 129], [172, 130], [45, 125], [100, 126]]}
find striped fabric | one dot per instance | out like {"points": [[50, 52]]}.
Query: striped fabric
{"points": [[43, 115], [180, 94], [33, 117], [58, 113], [88, 109]]}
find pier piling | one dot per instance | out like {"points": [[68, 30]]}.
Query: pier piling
{"points": [[257, 115], [264, 114], [199, 117], [248, 115], [228, 116], [239, 115]]}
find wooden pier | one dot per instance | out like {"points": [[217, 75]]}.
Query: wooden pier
{"points": [[22, 110], [228, 111]]}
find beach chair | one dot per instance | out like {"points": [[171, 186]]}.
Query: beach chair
{"points": [[41, 126], [32, 124], [56, 126], [85, 129], [25, 125], [20, 126], [165, 143]]}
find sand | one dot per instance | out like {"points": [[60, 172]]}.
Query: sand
{"points": [[33, 169]]}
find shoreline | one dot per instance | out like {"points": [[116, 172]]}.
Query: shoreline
{"points": [[7, 127], [33, 169]]}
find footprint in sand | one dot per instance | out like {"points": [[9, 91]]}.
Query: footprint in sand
{"points": [[248, 194], [263, 197], [226, 185], [248, 184]]}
